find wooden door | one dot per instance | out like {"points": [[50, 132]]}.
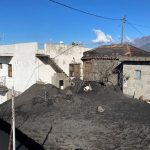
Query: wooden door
{"points": [[74, 70]]}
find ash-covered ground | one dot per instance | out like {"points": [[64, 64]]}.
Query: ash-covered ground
{"points": [[69, 120]]}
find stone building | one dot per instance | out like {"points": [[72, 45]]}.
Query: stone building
{"points": [[119, 64]]}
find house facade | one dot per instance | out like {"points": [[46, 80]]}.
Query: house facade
{"points": [[68, 57], [123, 65], [24, 64]]}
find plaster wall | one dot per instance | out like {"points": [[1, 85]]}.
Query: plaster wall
{"points": [[65, 55]]}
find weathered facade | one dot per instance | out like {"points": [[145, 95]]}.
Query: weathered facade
{"points": [[67, 57], [100, 70], [24, 64], [123, 65]]}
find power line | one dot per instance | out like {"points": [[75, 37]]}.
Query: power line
{"points": [[85, 12], [132, 25], [142, 26]]}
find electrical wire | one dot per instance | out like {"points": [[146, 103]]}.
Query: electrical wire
{"points": [[85, 12], [142, 26], [132, 25], [95, 15]]}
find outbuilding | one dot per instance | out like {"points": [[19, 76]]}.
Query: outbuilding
{"points": [[119, 64]]}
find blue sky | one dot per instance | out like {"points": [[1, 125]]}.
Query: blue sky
{"points": [[44, 21]]}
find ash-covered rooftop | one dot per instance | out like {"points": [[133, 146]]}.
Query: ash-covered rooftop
{"points": [[115, 51]]}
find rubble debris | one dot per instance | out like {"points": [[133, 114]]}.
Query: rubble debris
{"points": [[100, 109], [69, 93], [87, 88]]}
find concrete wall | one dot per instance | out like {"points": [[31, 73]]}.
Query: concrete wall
{"points": [[134, 87], [65, 55]]}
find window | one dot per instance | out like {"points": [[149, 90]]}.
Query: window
{"points": [[1, 66], [9, 70], [138, 74]]}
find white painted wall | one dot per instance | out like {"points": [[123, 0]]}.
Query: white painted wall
{"points": [[64, 55], [23, 64], [44, 72]]}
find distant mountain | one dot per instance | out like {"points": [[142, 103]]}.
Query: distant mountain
{"points": [[146, 47], [143, 42]]}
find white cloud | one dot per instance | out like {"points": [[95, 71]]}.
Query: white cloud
{"points": [[101, 37]]}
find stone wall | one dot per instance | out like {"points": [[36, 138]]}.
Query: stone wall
{"points": [[101, 70]]}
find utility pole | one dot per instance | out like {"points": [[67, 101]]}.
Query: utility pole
{"points": [[13, 119], [122, 32]]}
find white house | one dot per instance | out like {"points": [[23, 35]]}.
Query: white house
{"points": [[68, 57], [24, 64]]}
